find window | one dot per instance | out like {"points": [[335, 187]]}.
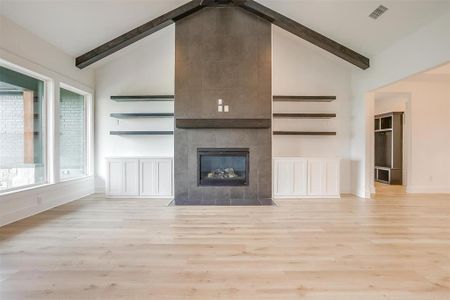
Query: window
{"points": [[22, 124], [72, 134]]}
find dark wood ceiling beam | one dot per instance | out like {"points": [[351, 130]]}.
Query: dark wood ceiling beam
{"points": [[189, 8], [138, 33], [306, 33]]}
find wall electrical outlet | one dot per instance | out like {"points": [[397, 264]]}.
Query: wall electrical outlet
{"points": [[226, 108], [220, 108]]}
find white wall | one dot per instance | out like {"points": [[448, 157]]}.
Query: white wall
{"points": [[298, 69], [419, 51], [385, 103], [302, 69], [429, 145], [19, 47], [147, 70]]}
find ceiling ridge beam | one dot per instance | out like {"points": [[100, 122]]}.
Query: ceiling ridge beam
{"points": [[138, 33], [306, 33]]}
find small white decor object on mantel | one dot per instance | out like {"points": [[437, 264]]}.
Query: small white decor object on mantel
{"points": [[139, 177], [306, 177]]}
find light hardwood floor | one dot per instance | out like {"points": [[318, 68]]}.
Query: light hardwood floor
{"points": [[391, 247], [389, 190]]}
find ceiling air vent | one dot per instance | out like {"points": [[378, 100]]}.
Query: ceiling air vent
{"points": [[378, 12]]}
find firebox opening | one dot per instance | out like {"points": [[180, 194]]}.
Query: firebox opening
{"points": [[223, 166]]}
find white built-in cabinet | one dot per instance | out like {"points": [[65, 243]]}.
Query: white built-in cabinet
{"points": [[302, 177], [139, 177]]}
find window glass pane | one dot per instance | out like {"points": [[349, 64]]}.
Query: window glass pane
{"points": [[21, 130], [72, 134]]}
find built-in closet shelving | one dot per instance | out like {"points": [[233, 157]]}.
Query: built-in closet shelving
{"points": [[313, 99], [142, 98], [389, 147]]}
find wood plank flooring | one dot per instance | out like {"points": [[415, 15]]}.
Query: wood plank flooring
{"points": [[391, 247]]}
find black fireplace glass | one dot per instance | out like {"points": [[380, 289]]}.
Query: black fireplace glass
{"points": [[223, 167]]}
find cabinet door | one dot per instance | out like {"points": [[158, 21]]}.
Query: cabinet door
{"points": [[284, 177], [316, 177], [130, 177], [149, 178], [332, 181], [114, 177], [164, 177], [300, 177]]}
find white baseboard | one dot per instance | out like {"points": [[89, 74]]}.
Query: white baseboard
{"points": [[307, 197], [23, 204], [428, 189], [100, 189], [137, 197], [361, 194]]}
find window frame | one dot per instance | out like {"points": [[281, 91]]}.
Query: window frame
{"points": [[46, 124], [88, 132]]}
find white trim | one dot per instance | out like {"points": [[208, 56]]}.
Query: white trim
{"points": [[88, 132], [22, 188], [308, 197], [23, 204], [75, 178], [136, 197], [25, 71], [428, 189], [138, 157], [47, 124]]}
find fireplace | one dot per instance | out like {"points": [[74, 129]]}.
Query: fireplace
{"points": [[223, 57], [223, 166]]}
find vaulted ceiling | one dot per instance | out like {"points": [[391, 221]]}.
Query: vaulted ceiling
{"points": [[78, 26]]}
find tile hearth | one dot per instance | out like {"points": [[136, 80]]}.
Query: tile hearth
{"points": [[224, 202]]}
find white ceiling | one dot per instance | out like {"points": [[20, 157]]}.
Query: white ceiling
{"points": [[77, 26]]}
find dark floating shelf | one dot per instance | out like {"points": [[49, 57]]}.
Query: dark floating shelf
{"points": [[143, 98], [304, 115], [223, 123], [304, 133], [140, 115], [141, 132], [304, 98]]}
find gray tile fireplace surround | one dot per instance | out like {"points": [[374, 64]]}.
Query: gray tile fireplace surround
{"points": [[187, 190], [223, 53]]}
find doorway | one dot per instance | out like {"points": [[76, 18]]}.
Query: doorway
{"points": [[423, 100], [390, 137]]}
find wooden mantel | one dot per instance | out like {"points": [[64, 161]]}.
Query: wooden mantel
{"points": [[223, 123]]}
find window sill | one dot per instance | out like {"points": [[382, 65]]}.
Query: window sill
{"points": [[24, 189], [38, 186], [74, 178]]}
